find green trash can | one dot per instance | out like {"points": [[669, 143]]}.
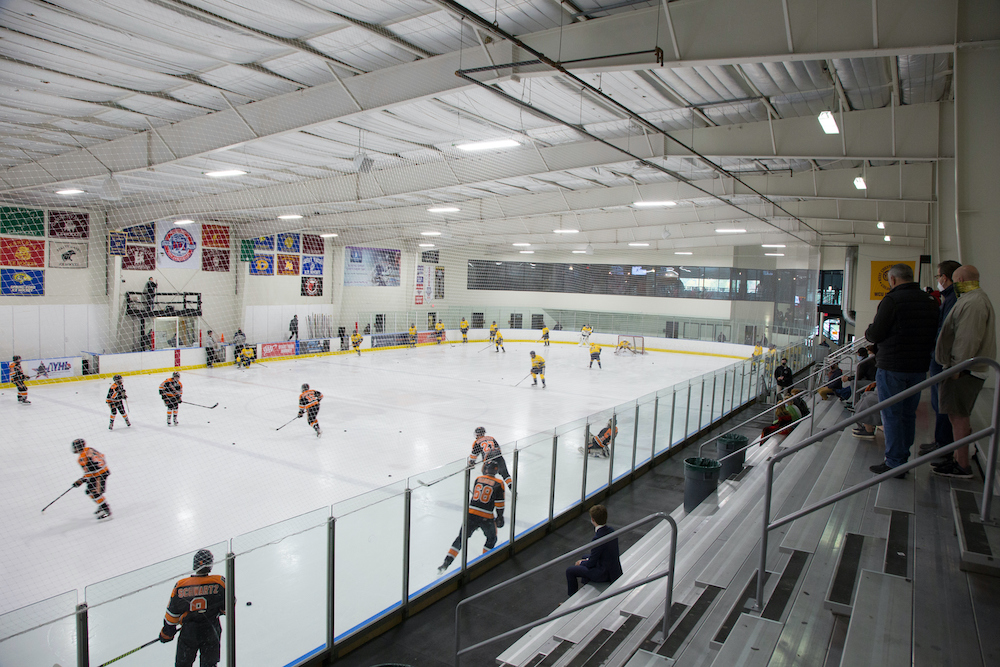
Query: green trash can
{"points": [[728, 444], [701, 479]]}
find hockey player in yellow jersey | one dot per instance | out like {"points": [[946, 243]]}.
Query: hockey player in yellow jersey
{"points": [[413, 335], [545, 336], [356, 339], [585, 334], [498, 342], [595, 355], [439, 331], [464, 327], [493, 330], [537, 368]]}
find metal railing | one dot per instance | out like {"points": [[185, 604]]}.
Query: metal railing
{"points": [[668, 602], [991, 431]]}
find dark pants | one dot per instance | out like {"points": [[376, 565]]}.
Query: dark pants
{"points": [[311, 414], [942, 425], [584, 574], [203, 638], [117, 407], [96, 486], [472, 524], [899, 421]]}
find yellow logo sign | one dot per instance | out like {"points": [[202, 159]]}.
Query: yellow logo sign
{"points": [[23, 254], [262, 264], [21, 277], [288, 243], [880, 277]]}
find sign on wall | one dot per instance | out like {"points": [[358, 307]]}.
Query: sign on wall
{"points": [[41, 369], [215, 236], [312, 266], [263, 243], [140, 233], [214, 260], [178, 246], [22, 221], [262, 265], [288, 265], [139, 258], [21, 252], [22, 282], [880, 277], [288, 242], [285, 349], [312, 244], [117, 243], [371, 267], [67, 255], [69, 225], [312, 286]]}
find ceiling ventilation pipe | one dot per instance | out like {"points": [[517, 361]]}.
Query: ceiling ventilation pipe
{"points": [[850, 274]]}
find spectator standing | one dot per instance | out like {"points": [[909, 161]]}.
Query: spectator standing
{"points": [[904, 331], [293, 328], [969, 331], [942, 425], [150, 293], [603, 563], [210, 347], [783, 375]]}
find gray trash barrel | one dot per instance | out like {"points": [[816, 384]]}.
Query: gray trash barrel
{"points": [[701, 478], [728, 444]]}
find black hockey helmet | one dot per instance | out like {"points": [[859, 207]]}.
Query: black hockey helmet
{"points": [[117, 378], [305, 387], [490, 467], [480, 431], [16, 357], [203, 560], [532, 353], [176, 375], [78, 445]]}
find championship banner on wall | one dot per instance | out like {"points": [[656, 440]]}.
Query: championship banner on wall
{"points": [[288, 243], [22, 282], [263, 243], [262, 265], [312, 244], [880, 277], [214, 260], [22, 221], [215, 236], [312, 286], [21, 252], [288, 265], [117, 243], [178, 246], [139, 258], [140, 233], [312, 266], [69, 225], [371, 267], [67, 255], [286, 349], [420, 285]]}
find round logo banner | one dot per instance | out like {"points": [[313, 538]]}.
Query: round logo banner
{"points": [[178, 247]]}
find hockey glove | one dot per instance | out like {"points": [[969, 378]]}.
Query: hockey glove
{"points": [[167, 633], [499, 522], [300, 415], [78, 482]]}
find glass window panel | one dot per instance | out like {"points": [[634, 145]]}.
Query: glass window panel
{"points": [[625, 422], [437, 502], [569, 465], [40, 638], [597, 466], [644, 429], [534, 482]]}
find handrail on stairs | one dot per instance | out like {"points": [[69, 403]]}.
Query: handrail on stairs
{"points": [[669, 572], [988, 474]]}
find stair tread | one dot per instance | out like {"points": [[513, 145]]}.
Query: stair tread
{"points": [[751, 642], [880, 629], [895, 495]]}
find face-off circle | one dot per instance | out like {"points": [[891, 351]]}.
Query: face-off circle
{"points": [[178, 245]]}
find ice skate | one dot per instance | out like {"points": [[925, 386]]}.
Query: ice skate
{"points": [[104, 514], [319, 431], [175, 420]]}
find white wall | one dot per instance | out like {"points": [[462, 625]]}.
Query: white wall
{"points": [[864, 304]]}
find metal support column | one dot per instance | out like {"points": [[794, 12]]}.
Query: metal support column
{"points": [[687, 412], [513, 504], [552, 479], [635, 435], [406, 549], [611, 452], [82, 636], [759, 603], [586, 460], [465, 519], [673, 412], [331, 559], [701, 404], [230, 609], [656, 417]]}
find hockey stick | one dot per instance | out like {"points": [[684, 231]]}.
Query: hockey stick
{"points": [[287, 423], [485, 348], [60, 496], [207, 407], [129, 653], [524, 378]]}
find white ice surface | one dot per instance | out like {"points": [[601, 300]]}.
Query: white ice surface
{"points": [[386, 415]]}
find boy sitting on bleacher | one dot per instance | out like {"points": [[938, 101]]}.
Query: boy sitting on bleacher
{"points": [[603, 563]]}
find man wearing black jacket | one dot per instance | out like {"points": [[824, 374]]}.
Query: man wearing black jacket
{"points": [[904, 332], [603, 563], [783, 375]]}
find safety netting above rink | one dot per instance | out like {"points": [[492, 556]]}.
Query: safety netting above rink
{"points": [[303, 584]]}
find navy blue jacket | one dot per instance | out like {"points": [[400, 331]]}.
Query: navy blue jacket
{"points": [[603, 559], [904, 329]]}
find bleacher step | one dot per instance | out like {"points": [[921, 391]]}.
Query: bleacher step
{"points": [[643, 658], [858, 553], [895, 495], [880, 629], [979, 543], [751, 642]]}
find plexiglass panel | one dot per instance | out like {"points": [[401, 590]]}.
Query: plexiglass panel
{"points": [[598, 466], [534, 482], [644, 429], [570, 454], [366, 540], [437, 502], [664, 406], [127, 611], [31, 635], [621, 461], [281, 590]]}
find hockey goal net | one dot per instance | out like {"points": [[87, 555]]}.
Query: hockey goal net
{"points": [[633, 344]]}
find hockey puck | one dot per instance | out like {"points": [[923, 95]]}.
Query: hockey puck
{"points": [[249, 603], [234, 443]]}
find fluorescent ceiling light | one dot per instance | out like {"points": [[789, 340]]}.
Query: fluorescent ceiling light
{"points": [[527, 252], [487, 145], [290, 216], [522, 245], [443, 209], [730, 231], [639, 245], [579, 252], [772, 245], [183, 222], [565, 231], [886, 238], [828, 122], [774, 254], [881, 225], [653, 204], [430, 233], [224, 173], [859, 183], [679, 252], [426, 245], [69, 191], [327, 236]]}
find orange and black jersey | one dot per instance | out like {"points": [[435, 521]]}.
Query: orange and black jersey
{"points": [[92, 462], [604, 437], [16, 374], [487, 495], [171, 389], [310, 398], [487, 447], [116, 393], [198, 598]]}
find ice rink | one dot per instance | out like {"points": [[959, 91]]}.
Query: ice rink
{"points": [[386, 416]]}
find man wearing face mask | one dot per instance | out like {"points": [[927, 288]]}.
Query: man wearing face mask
{"points": [[969, 331], [942, 426], [904, 331]]}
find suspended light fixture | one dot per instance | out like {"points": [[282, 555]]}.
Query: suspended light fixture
{"points": [[110, 189], [828, 122]]}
